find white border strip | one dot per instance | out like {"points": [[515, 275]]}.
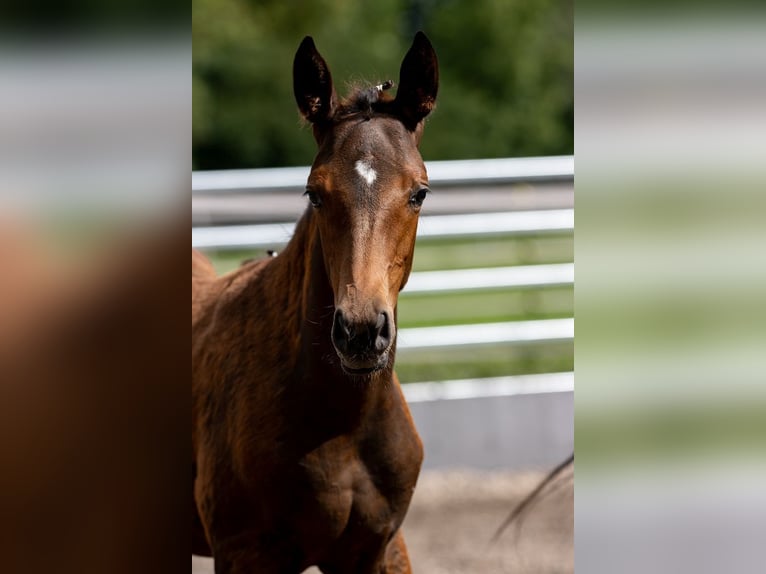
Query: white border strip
{"points": [[489, 387]]}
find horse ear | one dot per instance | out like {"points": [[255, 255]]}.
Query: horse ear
{"points": [[312, 83], [418, 82]]}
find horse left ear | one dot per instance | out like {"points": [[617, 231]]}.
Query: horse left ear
{"points": [[418, 82]]}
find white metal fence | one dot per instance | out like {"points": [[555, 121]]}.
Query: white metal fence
{"points": [[541, 404], [440, 173], [232, 237], [471, 173], [550, 275]]}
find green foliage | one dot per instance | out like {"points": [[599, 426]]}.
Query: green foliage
{"points": [[506, 73]]}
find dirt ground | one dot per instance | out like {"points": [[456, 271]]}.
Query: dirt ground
{"points": [[454, 515]]}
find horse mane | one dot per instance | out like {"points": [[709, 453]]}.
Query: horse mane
{"points": [[366, 101]]}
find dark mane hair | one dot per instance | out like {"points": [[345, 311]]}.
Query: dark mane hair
{"points": [[366, 101]]}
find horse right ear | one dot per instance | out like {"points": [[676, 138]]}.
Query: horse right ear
{"points": [[312, 83]]}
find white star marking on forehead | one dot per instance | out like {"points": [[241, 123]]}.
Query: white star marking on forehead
{"points": [[365, 171]]}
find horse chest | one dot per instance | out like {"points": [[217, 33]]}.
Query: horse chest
{"points": [[347, 495], [349, 502]]}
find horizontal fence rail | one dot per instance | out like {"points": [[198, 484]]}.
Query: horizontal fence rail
{"points": [[501, 223], [514, 197], [479, 174], [440, 173], [232, 237], [510, 332], [488, 387], [553, 275]]}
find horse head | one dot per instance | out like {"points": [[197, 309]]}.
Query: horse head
{"points": [[366, 188]]}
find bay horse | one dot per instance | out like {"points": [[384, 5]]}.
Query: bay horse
{"points": [[303, 449]]}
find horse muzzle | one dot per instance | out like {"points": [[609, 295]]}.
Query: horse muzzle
{"points": [[363, 345]]}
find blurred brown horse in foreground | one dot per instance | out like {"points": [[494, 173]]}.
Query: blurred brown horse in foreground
{"points": [[303, 448]]}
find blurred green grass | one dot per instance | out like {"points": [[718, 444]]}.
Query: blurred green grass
{"points": [[466, 307], [433, 255], [486, 361], [520, 304], [728, 427]]}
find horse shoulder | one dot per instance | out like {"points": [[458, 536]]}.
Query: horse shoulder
{"points": [[393, 449], [203, 276], [234, 388]]}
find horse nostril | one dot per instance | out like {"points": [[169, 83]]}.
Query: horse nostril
{"points": [[383, 338], [340, 331], [352, 338]]}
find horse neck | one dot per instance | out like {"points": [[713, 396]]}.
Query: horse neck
{"points": [[317, 376]]}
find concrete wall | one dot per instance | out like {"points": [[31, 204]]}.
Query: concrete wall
{"points": [[520, 431]]}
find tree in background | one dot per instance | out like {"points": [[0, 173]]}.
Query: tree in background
{"points": [[506, 73]]}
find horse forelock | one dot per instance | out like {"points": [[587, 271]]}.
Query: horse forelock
{"points": [[366, 100]]}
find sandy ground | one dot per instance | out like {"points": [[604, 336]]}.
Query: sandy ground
{"points": [[454, 514]]}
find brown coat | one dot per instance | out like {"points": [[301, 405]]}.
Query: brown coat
{"points": [[299, 457]]}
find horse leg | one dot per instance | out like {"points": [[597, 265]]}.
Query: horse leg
{"points": [[244, 554], [247, 551], [391, 560], [200, 546], [396, 560]]}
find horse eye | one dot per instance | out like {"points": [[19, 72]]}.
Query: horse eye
{"points": [[313, 198], [417, 198]]}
